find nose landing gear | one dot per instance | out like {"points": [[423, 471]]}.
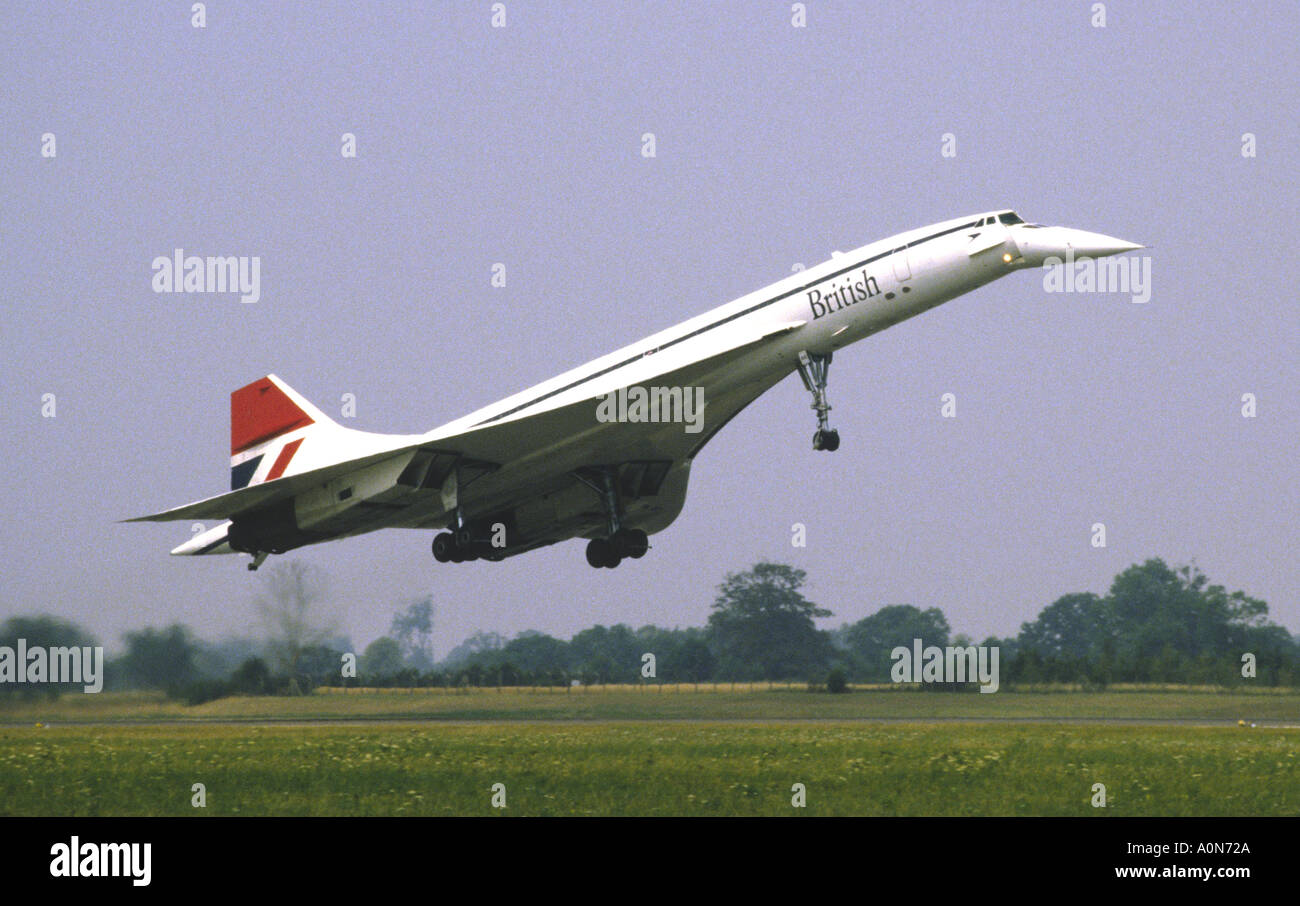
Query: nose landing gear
{"points": [[828, 440], [814, 369]]}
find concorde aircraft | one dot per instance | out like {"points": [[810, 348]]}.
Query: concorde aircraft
{"points": [[604, 451]]}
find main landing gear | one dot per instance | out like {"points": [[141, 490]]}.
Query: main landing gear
{"points": [[814, 369], [620, 543], [447, 550], [610, 552], [448, 547], [461, 545]]}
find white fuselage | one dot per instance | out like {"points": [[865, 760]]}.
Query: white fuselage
{"points": [[734, 353]]}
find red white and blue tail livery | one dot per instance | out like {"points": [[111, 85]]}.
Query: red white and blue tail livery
{"points": [[268, 423]]}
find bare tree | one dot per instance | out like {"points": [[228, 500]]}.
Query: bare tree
{"points": [[289, 611]]}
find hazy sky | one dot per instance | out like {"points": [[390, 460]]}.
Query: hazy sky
{"points": [[774, 145]]}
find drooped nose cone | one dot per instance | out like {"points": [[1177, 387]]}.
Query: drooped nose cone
{"points": [[1039, 245], [1096, 245]]}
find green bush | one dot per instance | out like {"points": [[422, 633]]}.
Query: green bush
{"points": [[199, 691], [836, 681]]}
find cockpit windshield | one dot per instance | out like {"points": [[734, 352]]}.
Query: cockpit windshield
{"points": [[1010, 217]]}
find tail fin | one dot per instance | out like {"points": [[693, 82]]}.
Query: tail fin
{"points": [[268, 422]]}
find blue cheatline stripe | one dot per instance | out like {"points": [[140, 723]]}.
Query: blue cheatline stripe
{"points": [[242, 474]]}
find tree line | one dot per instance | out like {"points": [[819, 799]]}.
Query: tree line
{"points": [[1155, 624]]}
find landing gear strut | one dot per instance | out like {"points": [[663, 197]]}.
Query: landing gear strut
{"points": [[460, 544], [619, 543], [814, 368]]}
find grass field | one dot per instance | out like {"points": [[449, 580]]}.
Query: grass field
{"points": [[672, 703], [649, 769], [623, 752]]}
